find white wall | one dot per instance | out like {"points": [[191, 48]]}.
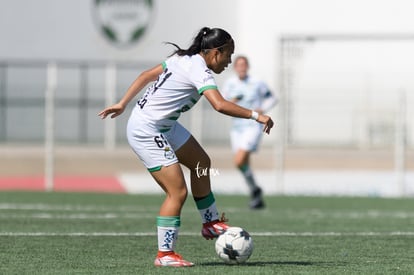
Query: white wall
{"points": [[65, 29], [261, 23]]}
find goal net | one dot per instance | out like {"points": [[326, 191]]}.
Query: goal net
{"points": [[347, 90]]}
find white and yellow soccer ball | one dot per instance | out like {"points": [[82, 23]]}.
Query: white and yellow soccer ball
{"points": [[235, 246]]}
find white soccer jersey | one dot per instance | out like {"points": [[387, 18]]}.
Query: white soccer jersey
{"points": [[177, 89], [250, 93]]}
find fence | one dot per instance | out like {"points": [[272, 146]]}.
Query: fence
{"points": [[82, 89]]}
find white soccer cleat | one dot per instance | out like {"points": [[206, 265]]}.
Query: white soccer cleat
{"points": [[173, 259]]}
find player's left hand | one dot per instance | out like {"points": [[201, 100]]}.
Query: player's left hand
{"points": [[267, 121]]}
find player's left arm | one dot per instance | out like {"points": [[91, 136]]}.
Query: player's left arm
{"points": [[231, 109]]}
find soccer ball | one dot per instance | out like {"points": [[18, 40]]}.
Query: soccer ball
{"points": [[234, 246]]}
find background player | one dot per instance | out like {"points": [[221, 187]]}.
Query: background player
{"points": [[245, 134]]}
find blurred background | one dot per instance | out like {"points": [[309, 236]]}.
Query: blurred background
{"points": [[343, 72]]}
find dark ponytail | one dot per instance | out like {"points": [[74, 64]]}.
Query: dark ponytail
{"points": [[205, 40]]}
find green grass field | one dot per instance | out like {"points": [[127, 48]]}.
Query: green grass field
{"points": [[68, 233]]}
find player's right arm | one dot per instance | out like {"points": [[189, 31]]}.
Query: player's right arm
{"points": [[139, 83]]}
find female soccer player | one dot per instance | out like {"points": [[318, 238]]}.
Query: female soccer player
{"points": [[162, 143], [245, 135]]}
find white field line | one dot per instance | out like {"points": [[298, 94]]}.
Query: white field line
{"points": [[71, 207], [78, 216], [80, 213], [259, 234], [111, 215], [89, 208], [131, 211]]}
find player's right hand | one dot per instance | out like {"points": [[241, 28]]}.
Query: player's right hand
{"points": [[115, 109]]}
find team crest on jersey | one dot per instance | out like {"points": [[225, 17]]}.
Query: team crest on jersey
{"points": [[122, 22]]}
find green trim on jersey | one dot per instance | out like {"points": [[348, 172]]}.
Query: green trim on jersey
{"points": [[193, 100], [173, 117], [157, 168], [212, 87], [164, 65]]}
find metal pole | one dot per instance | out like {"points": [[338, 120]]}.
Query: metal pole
{"points": [[49, 125], [3, 107], [399, 150], [282, 124], [110, 92]]}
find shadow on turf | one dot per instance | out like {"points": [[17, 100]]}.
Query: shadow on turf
{"points": [[258, 263]]}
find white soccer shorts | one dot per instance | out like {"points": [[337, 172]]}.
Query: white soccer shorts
{"points": [[155, 149]]}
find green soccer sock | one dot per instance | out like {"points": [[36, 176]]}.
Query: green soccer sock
{"points": [[167, 227], [248, 176], [207, 208]]}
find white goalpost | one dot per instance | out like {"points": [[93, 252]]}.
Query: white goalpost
{"points": [[303, 77]]}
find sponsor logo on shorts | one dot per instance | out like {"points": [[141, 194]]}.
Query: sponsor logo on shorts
{"points": [[168, 154]]}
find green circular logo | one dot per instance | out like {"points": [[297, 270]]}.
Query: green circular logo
{"points": [[123, 22]]}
